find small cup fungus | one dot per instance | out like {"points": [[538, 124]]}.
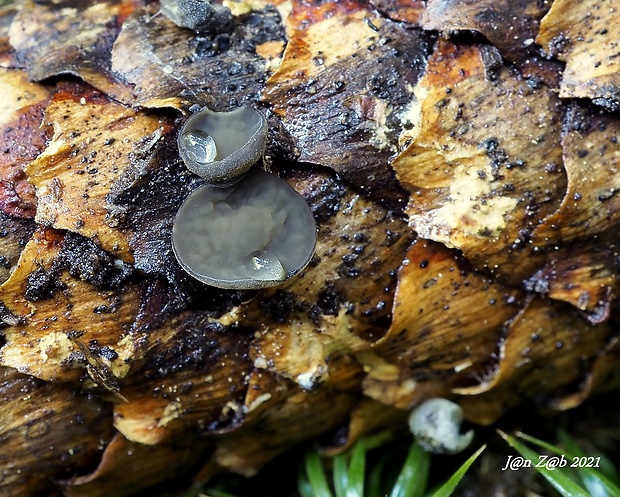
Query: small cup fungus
{"points": [[222, 146], [436, 425], [254, 234], [199, 15]]}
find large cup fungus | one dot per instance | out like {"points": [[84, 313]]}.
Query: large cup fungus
{"points": [[254, 234], [242, 230]]}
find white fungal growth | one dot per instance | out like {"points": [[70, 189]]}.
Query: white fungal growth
{"points": [[436, 425], [253, 234]]}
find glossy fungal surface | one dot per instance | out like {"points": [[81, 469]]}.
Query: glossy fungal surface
{"points": [[199, 15], [254, 234], [222, 146]]}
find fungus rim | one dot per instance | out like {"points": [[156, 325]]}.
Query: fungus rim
{"points": [[230, 169], [244, 283]]}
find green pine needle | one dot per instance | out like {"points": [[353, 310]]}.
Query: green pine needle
{"points": [[376, 479], [351, 477], [447, 488], [606, 467], [303, 485], [357, 470], [557, 477], [413, 477], [316, 475], [341, 475], [595, 482]]}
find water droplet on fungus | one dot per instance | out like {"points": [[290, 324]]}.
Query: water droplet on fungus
{"points": [[238, 141], [199, 146], [263, 265], [253, 234]]}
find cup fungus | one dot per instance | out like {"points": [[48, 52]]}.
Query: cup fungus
{"points": [[199, 15], [436, 425], [254, 234], [222, 146]]}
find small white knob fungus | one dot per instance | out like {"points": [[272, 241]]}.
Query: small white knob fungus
{"points": [[436, 425], [253, 234], [199, 15], [222, 146]]}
